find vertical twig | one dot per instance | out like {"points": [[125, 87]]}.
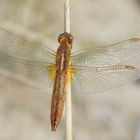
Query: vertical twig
{"points": [[67, 16], [68, 96], [68, 114]]}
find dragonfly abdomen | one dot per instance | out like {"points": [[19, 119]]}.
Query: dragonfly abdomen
{"points": [[62, 72], [58, 99]]}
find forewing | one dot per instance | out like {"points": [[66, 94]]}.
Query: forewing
{"points": [[29, 73], [88, 80], [109, 55], [23, 49]]}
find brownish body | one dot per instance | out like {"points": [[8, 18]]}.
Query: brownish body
{"points": [[59, 89]]}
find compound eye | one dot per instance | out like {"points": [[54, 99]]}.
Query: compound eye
{"points": [[61, 38], [70, 39]]}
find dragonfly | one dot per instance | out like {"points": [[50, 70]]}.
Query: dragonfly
{"points": [[92, 70]]}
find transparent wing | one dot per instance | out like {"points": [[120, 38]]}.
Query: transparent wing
{"points": [[88, 80], [21, 48], [29, 73], [109, 55]]}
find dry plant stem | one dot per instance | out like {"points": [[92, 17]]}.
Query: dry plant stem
{"points": [[68, 96], [67, 15], [68, 114]]}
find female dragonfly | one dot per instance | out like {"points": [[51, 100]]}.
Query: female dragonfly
{"points": [[91, 70]]}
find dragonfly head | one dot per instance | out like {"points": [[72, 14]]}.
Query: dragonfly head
{"points": [[65, 38]]}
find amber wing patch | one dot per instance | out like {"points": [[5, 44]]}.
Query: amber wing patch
{"points": [[70, 71], [52, 71]]}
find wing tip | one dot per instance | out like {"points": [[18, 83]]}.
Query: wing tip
{"points": [[134, 39], [130, 67]]}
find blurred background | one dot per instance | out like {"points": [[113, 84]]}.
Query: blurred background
{"points": [[25, 112]]}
